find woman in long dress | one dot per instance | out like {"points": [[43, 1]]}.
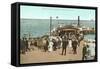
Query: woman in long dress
{"points": [[50, 47], [70, 43]]}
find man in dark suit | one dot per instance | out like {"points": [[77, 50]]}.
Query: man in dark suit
{"points": [[85, 52], [64, 44], [22, 46], [74, 46]]}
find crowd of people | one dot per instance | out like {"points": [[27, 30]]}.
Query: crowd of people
{"points": [[66, 40], [58, 42], [69, 40]]}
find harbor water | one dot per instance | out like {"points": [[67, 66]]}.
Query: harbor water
{"points": [[40, 27]]}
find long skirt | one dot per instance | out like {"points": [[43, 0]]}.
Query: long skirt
{"points": [[50, 47], [70, 44]]}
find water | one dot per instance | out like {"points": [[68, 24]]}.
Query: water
{"points": [[89, 36], [39, 27]]}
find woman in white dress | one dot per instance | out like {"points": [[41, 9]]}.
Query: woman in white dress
{"points": [[70, 41], [70, 44], [50, 47]]}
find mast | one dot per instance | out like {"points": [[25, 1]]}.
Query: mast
{"points": [[50, 24]]}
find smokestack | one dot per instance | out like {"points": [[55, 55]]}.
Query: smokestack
{"points": [[78, 21]]}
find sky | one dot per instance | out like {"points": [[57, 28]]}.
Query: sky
{"points": [[38, 12]]}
